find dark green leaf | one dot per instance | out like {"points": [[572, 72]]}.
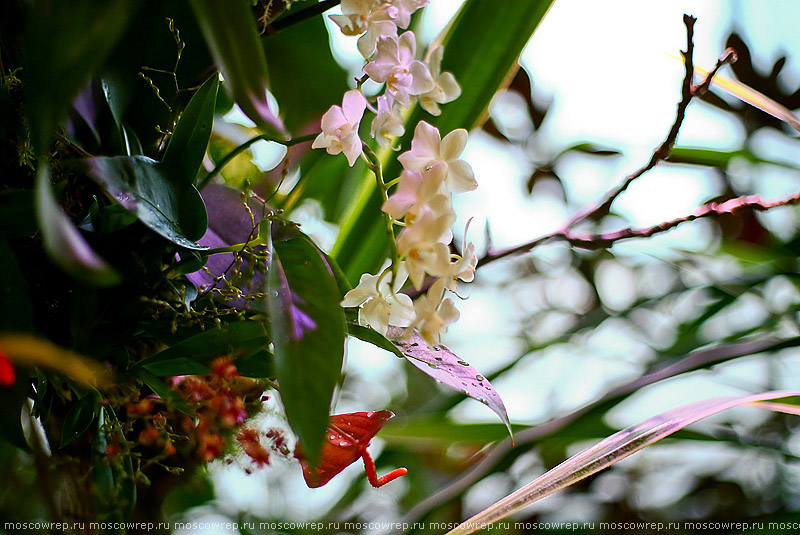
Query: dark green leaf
{"points": [[112, 481], [189, 141], [308, 331], [190, 492], [67, 40], [194, 355], [302, 52], [107, 219], [373, 337], [157, 385], [79, 417], [63, 242], [170, 207], [258, 365], [410, 431], [230, 32]]}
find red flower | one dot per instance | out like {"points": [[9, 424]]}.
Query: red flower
{"points": [[7, 375], [347, 440]]}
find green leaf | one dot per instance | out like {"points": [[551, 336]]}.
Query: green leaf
{"points": [[194, 354], [373, 337], [157, 385], [67, 41], [113, 481], [63, 242], [481, 48], [192, 491], [79, 417], [308, 331], [189, 141], [434, 429], [170, 207], [230, 32], [301, 52]]}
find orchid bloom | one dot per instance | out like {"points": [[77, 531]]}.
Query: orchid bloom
{"points": [[428, 148], [445, 87], [414, 190], [340, 127], [380, 305], [373, 25], [423, 243], [394, 64], [434, 314], [387, 123], [464, 267]]}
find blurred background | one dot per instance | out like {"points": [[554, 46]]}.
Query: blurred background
{"points": [[559, 329]]}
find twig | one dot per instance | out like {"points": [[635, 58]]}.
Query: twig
{"points": [[694, 361], [605, 240], [601, 208], [244, 146], [662, 151], [729, 56]]}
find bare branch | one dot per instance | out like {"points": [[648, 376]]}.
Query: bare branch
{"points": [[602, 207], [747, 202], [662, 151]]}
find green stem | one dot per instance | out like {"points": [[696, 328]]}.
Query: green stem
{"points": [[244, 146], [374, 165]]}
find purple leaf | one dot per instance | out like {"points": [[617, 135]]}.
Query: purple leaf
{"points": [[229, 223], [447, 368], [63, 242]]}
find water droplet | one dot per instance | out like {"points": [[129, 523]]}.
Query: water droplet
{"points": [[439, 358], [437, 348], [463, 363], [480, 378]]}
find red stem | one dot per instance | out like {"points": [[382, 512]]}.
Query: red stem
{"points": [[372, 475]]}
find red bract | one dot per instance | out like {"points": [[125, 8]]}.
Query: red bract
{"points": [[7, 375], [347, 440]]}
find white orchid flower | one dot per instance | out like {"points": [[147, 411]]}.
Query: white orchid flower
{"points": [[428, 148], [445, 88], [381, 305], [387, 123], [414, 190], [395, 65], [434, 314], [340, 127]]}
